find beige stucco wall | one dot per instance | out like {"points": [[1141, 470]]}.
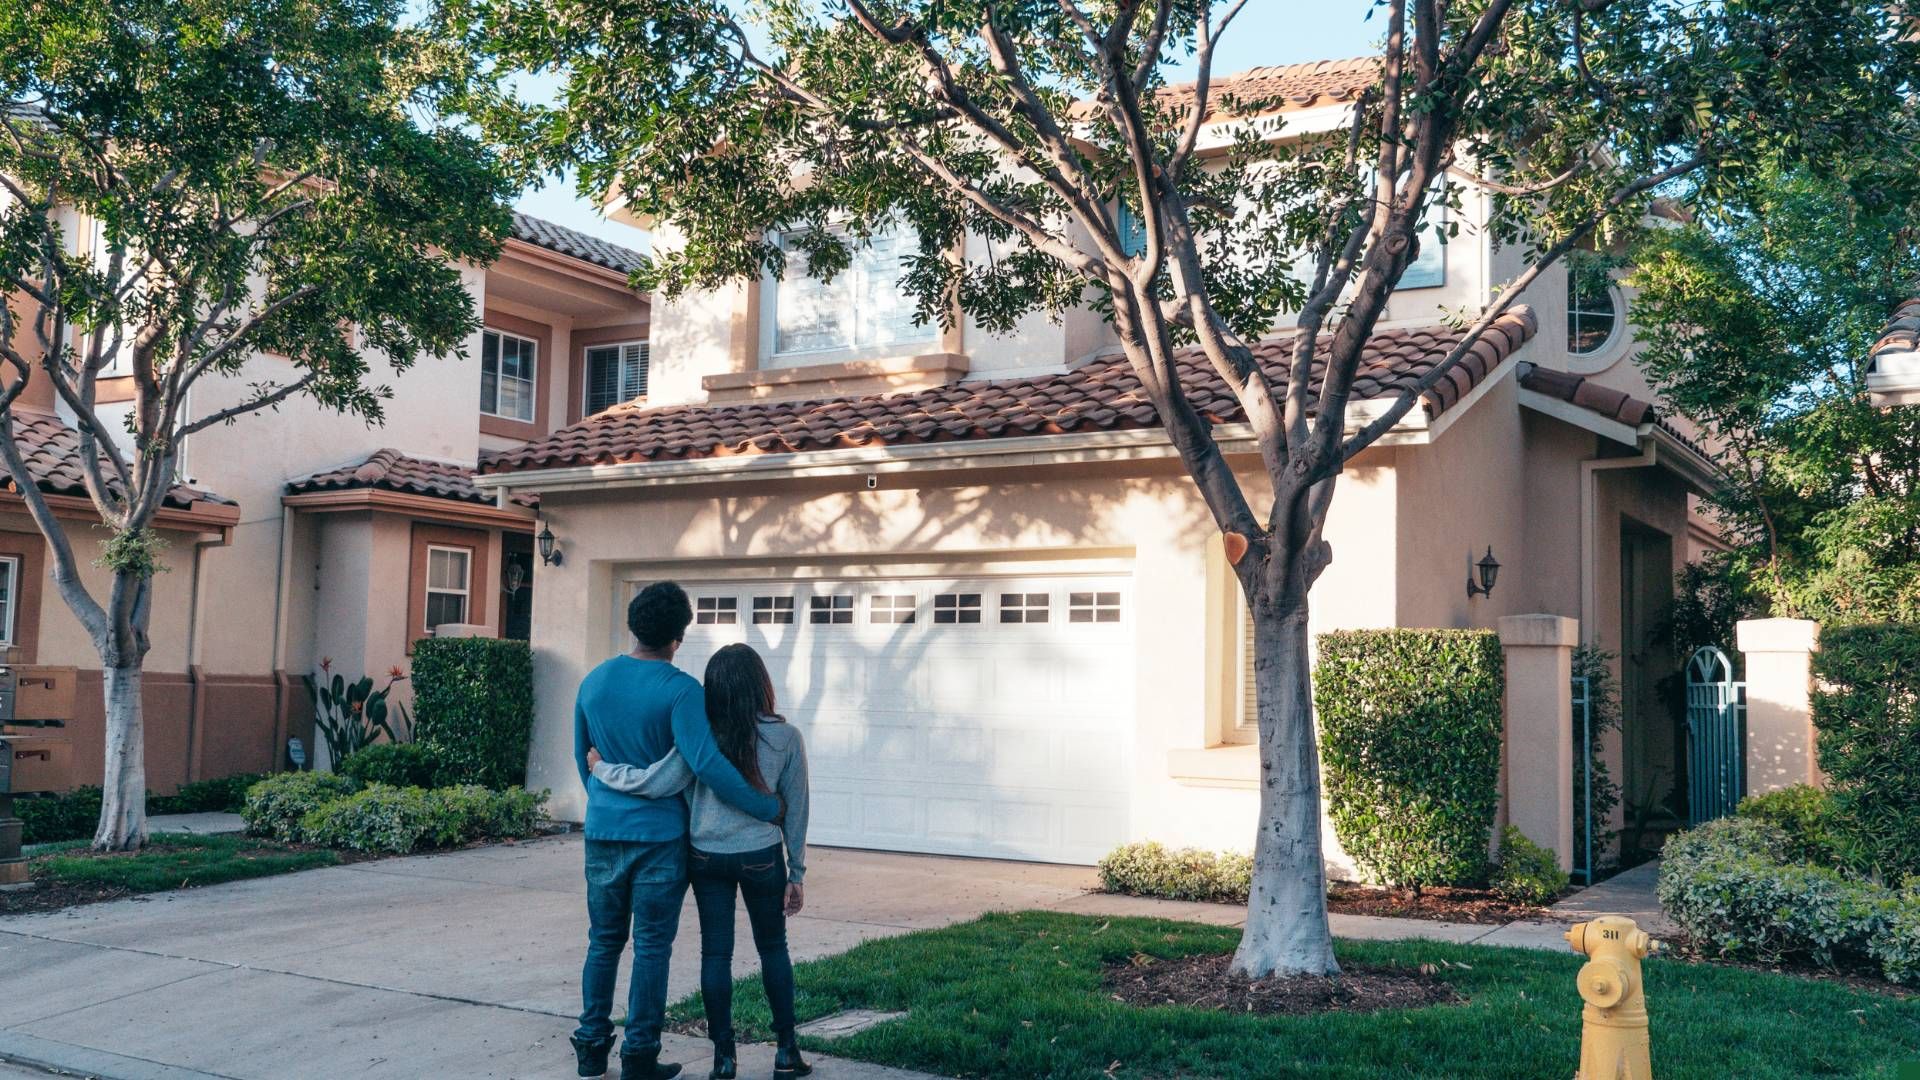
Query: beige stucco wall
{"points": [[63, 641]]}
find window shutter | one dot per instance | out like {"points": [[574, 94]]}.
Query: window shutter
{"points": [[1246, 727], [636, 365]]}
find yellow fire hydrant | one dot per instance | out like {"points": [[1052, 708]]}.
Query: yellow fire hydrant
{"points": [[1613, 1036]]}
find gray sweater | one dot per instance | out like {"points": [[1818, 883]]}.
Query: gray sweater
{"points": [[715, 825]]}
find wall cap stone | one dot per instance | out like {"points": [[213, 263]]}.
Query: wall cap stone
{"points": [[1547, 631], [1777, 635]]}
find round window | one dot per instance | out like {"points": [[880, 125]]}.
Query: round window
{"points": [[1593, 309]]}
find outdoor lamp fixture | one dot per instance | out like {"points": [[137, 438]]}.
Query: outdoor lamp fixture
{"points": [[1489, 571], [549, 547]]}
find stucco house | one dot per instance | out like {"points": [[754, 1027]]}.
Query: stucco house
{"points": [[330, 539], [987, 590]]}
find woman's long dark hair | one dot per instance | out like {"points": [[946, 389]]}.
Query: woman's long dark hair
{"points": [[739, 693]]}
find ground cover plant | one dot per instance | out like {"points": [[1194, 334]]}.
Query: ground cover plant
{"points": [[67, 873], [337, 811], [1024, 995]]}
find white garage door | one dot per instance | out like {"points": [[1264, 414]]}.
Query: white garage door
{"points": [[966, 716]]}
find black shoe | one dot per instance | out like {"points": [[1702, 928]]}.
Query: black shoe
{"points": [[645, 1065], [787, 1062], [726, 1063], [591, 1055]]}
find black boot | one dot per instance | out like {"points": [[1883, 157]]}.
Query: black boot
{"points": [[787, 1062], [726, 1063], [591, 1055], [645, 1065]]}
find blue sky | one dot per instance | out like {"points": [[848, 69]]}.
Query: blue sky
{"points": [[1266, 32]]}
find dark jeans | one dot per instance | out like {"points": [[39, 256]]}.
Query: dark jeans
{"points": [[761, 878], [638, 884]]}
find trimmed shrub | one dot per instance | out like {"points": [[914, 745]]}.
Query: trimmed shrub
{"points": [[221, 795], [1868, 717], [1805, 815], [1410, 736], [473, 708], [1897, 946], [1150, 869], [276, 806], [396, 764], [72, 816], [395, 821], [1728, 885], [1527, 873]]}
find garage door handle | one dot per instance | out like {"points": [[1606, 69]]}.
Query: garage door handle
{"points": [[30, 755]]}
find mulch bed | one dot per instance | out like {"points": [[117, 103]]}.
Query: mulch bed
{"points": [[1205, 982], [1442, 904]]}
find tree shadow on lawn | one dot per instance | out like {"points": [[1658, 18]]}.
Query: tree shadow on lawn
{"points": [[1021, 995]]}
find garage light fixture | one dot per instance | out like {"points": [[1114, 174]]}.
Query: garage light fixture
{"points": [[1489, 571], [549, 547]]}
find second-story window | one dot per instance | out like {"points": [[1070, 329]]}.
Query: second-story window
{"points": [[863, 307], [615, 373], [506, 376], [1593, 310]]}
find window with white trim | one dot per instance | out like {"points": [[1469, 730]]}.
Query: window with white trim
{"points": [[1593, 308], [1023, 607], [449, 584], [890, 609], [956, 608], [716, 610], [1094, 607], [830, 609], [9, 589], [506, 375], [1244, 724], [772, 610], [616, 374], [863, 307]]}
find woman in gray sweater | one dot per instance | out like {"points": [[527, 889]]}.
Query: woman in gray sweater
{"points": [[733, 851]]}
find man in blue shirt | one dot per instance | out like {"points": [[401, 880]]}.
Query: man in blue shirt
{"points": [[635, 708]]}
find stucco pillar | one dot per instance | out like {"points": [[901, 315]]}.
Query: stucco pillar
{"points": [[1780, 749], [1538, 751]]}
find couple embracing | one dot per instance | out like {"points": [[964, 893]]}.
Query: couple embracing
{"points": [[685, 785]]}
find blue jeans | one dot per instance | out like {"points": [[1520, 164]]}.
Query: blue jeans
{"points": [[761, 878], [638, 884]]}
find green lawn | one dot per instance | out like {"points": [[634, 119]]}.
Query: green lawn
{"points": [[1019, 995], [174, 861]]}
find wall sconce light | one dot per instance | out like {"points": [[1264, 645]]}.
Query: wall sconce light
{"points": [[550, 553], [1489, 571]]}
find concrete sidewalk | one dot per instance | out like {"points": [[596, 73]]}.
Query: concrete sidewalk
{"points": [[461, 964]]}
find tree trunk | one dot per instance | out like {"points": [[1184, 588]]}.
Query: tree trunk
{"points": [[1286, 932], [123, 800]]}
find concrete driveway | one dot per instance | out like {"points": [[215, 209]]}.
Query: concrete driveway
{"points": [[463, 964]]}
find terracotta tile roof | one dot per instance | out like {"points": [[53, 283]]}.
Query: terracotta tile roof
{"points": [[52, 453], [543, 233], [1903, 330], [1588, 394], [391, 470], [1100, 396], [1285, 86]]}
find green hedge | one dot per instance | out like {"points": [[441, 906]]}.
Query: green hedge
{"points": [[1867, 713], [1151, 869], [276, 806], [1805, 815], [1410, 731], [473, 708], [398, 764], [1732, 885], [75, 815], [396, 821], [1527, 873]]}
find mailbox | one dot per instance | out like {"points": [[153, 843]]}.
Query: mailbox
{"points": [[38, 695], [34, 763]]}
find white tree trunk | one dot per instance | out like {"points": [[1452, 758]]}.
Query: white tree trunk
{"points": [[123, 809], [1286, 932]]}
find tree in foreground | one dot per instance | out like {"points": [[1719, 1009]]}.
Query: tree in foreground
{"points": [[185, 184], [1044, 127], [1757, 325]]}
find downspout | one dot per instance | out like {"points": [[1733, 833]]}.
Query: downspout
{"points": [[1589, 523], [284, 581]]}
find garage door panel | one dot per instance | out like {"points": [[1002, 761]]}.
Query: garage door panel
{"points": [[1007, 734]]}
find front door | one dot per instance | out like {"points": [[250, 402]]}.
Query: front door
{"points": [[1653, 738]]}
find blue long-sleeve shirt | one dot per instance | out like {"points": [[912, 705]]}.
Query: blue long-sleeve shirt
{"points": [[634, 712]]}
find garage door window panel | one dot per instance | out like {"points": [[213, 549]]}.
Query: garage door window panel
{"points": [[830, 610], [956, 608], [1024, 607], [1093, 607], [772, 610], [891, 608], [716, 610]]}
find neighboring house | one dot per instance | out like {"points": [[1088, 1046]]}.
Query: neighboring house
{"points": [[986, 588], [1893, 376], [333, 540]]}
